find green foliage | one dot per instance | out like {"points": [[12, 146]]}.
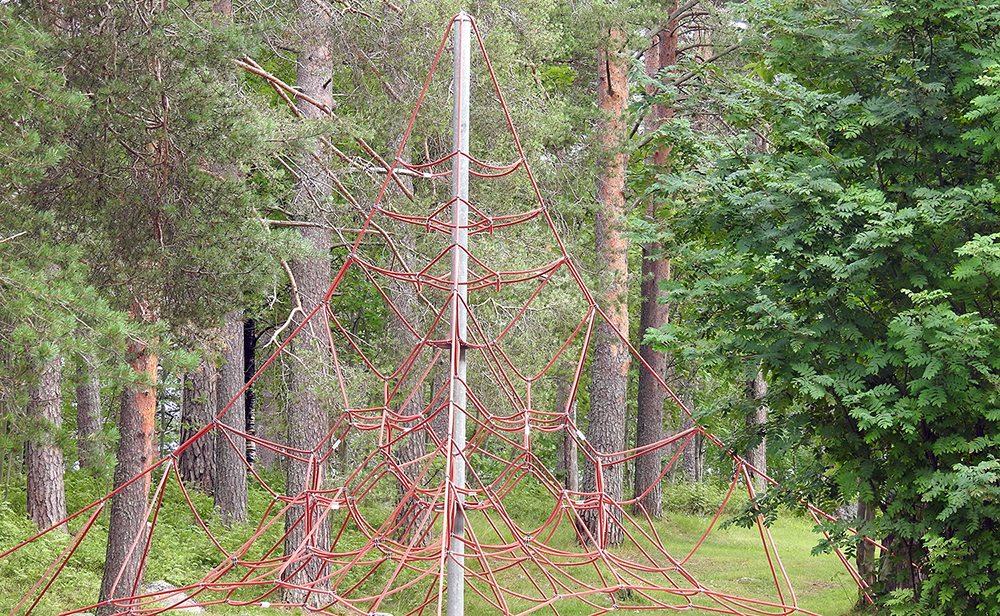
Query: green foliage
{"points": [[155, 190], [703, 498], [34, 105], [851, 228], [20, 570]]}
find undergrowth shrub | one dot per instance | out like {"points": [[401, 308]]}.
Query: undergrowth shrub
{"points": [[702, 498], [20, 570]]}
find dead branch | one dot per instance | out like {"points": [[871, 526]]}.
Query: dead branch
{"points": [[16, 235], [384, 164]]}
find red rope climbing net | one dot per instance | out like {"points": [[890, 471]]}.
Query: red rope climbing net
{"points": [[526, 547]]}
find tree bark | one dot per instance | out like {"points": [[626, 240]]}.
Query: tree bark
{"points": [[756, 456], [89, 437], [896, 570], [249, 369], [269, 420], [693, 456], [223, 7], [653, 313], [606, 421], [865, 557], [308, 425], [651, 396], [568, 462], [230, 492], [308, 422], [197, 462], [414, 444], [46, 493], [127, 535]]}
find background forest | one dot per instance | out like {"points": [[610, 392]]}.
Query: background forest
{"points": [[790, 207]]}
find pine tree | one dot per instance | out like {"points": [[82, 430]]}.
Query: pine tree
{"points": [[230, 477], [606, 418], [47, 309], [89, 419], [44, 459], [654, 313], [308, 422], [167, 238], [197, 462]]}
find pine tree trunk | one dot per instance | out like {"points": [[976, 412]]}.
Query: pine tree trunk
{"points": [[223, 7], [606, 420], [756, 456], [308, 421], [197, 462], [651, 396], [413, 445], [568, 463], [230, 492], [269, 421], [653, 313], [46, 493], [127, 531], [693, 456], [249, 369], [89, 437], [308, 424], [230, 489]]}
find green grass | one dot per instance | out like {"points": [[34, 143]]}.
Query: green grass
{"points": [[730, 561]]}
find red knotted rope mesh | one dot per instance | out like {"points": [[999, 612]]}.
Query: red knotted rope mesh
{"points": [[388, 510]]}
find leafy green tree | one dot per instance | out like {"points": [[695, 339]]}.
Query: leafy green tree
{"points": [[855, 255]]}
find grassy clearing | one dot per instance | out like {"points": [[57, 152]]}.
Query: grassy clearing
{"points": [[730, 561]]}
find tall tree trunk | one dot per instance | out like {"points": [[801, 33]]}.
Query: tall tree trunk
{"points": [[197, 462], [230, 492], [865, 558], [127, 532], [308, 421], [269, 420], [89, 435], [568, 462], [653, 313], [651, 397], [414, 444], [693, 456], [223, 7], [308, 424], [46, 494], [249, 369], [896, 570], [403, 296], [606, 421], [757, 455]]}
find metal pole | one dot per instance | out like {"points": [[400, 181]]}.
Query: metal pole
{"points": [[459, 325]]}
